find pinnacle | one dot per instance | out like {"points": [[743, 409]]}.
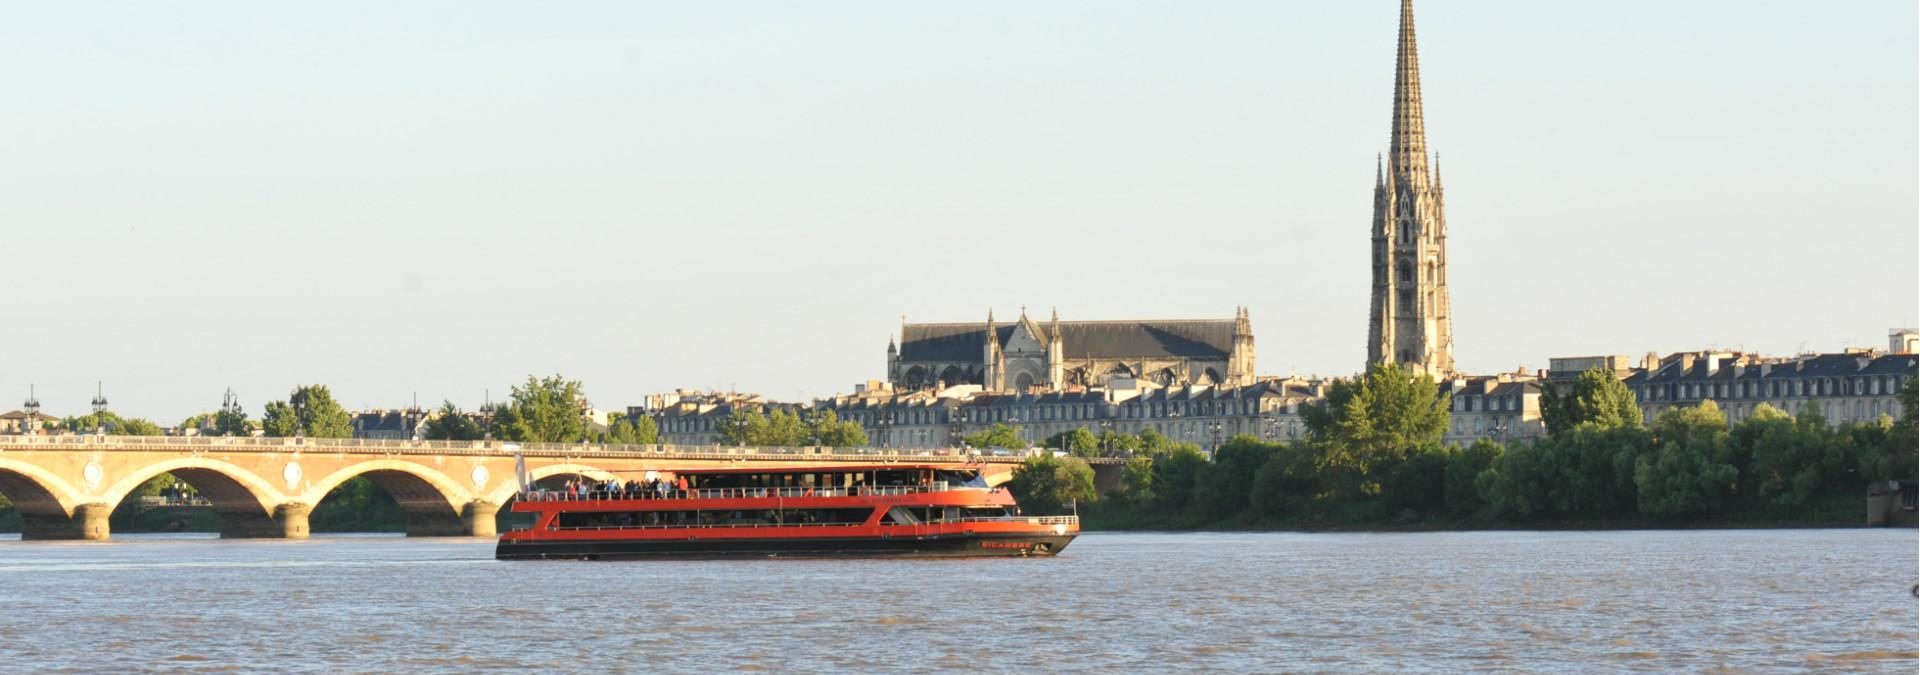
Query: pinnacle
{"points": [[1408, 148]]}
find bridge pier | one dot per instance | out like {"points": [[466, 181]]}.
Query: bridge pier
{"points": [[88, 522], [479, 517], [288, 521], [292, 518]]}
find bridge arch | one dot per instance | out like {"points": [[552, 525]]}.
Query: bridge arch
{"points": [[246, 503], [45, 502], [511, 486], [435, 504]]}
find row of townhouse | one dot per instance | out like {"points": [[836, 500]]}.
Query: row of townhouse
{"points": [[1849, 387], [1201, 414]]}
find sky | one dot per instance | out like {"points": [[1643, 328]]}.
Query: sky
{"points": [[438, 199]]}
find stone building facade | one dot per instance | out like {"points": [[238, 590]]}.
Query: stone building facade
{"points": [[1410, 319], [1028, 356], [1498, 407], [1855, 386], [1204, 415]]}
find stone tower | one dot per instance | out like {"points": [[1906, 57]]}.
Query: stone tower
{"points": [[1410, 321]]}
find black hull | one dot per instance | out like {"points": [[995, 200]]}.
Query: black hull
{"points": [[965, 546]]}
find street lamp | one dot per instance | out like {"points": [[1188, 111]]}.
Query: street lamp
{"points": [[1217, 428], [99, 410]]}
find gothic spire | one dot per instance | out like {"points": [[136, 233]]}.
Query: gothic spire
{"points": [[1409, 146]]}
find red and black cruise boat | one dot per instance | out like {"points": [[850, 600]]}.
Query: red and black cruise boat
{"points": [[881, 510]]}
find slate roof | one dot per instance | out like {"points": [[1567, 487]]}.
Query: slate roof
{"points": [[1822, 365], [1195, 339]]}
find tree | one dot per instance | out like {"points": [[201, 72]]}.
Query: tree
{"points": [[1136, 481], [1596, 398], [113, 425], [280, 421], [1288, 481], [633, 430], [1000, 436], [310, 411], [544, 410], [231, 422], [1047, 485], [784, 429], [320, 416], [452, 425], [198, 421], [1374, 422], [1683, 476], [1080, 442], [1117, 443], [831, 431], [743, 427]]}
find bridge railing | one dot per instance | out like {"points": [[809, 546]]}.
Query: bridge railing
{"points": [[494, 448]]}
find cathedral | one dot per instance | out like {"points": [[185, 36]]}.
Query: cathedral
{"points": [[1410, 320], [1026, 355]]}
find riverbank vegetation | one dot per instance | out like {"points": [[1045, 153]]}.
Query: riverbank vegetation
{"points": [[1373, 459]]}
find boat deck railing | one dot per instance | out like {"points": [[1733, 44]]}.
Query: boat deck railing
{"points": [[1029, 520], [739, 493]]}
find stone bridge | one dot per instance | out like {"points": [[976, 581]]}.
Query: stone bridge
{"points": [[65, 487]]}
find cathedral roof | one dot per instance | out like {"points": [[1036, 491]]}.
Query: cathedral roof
{"points": [[1196, 339]]}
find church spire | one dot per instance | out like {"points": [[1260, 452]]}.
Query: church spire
{"points": [[1407, 153], [1410, 317]]}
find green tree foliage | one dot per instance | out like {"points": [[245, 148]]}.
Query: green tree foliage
{"points": [[451, 424], [1050, 485], [1367, 425], [1288, 483], [632, 430], [544, 410], [310, 411], [1115, 443], [231, 422], [999, 436], [113, 425], [1079, 442], [1596, 397], [1683, 475], [280, 420], [1136, 482], [786, 428], [829, 430], [744, 427], [197, 421]]}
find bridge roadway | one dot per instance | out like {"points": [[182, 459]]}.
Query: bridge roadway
{"points": [[65, 487]]}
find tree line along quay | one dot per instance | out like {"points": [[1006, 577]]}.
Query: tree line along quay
{"points": [[1372, 458]]}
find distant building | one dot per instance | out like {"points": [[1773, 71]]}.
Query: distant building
{"points": [[19, 422], [1028, 356], [688, 417], [1499, 407], [1569, 368], [392, 425], [1205, 416], [1854, 386], [1903, 341]]}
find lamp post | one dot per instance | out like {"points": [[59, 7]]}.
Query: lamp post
{"points": [[1106, 438], [1217, 428], [99, 410]]}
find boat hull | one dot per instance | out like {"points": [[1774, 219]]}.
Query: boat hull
{"points": [[953, 546]]}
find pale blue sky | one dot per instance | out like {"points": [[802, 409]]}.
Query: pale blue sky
{"points": [[442, 198]]}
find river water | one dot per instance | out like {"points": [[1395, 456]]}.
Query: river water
{"points": [[1588, 601]]}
